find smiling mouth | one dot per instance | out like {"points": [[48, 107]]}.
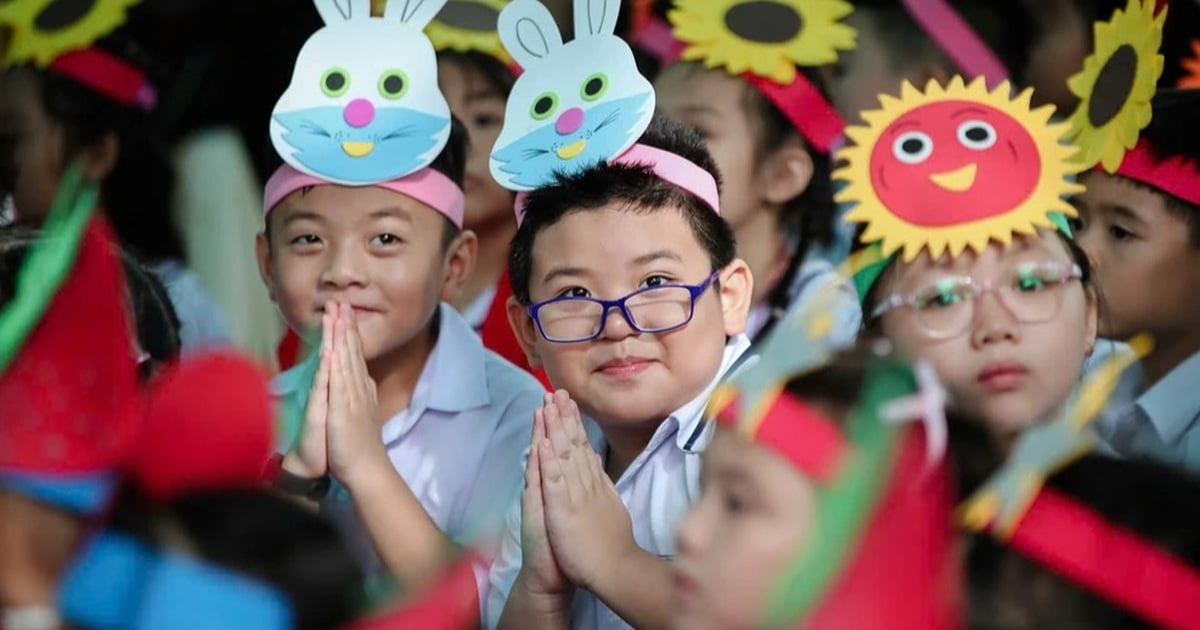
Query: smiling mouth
{"points": [[358, 149], [572, 151], [957, 180]]}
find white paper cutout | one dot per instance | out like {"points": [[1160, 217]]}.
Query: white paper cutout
{"points": [[364, 106], [576, 104]]}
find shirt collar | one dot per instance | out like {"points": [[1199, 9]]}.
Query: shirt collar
{"points": [[1172, 404], [694, 433], [454, 378]]}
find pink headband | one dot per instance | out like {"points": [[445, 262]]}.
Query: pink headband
{"points": [[957, 39], [669, 167], [1177, 176], [426, 186]]}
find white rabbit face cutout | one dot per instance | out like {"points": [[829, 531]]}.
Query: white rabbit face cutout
{"points": [[575, 105], [364, 106]]}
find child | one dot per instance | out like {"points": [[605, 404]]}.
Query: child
{"points": [[97, 102], [367, 243], [476, 86], [1102, 544], [614, 231], [967, 185], [902, 41], [770, 140], [1141, 228]]}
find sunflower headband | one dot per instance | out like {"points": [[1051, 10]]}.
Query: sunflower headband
{"points": [[1116, 84], [859, 517], [58, 35], [763, 42], [1072, 539], [954, 168], [469, 26]]}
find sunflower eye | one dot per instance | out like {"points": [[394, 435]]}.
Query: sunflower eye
{"points": [[544, 106], [594, 87], [335, 82], [913, 147], [977, 135], [393, 84]]}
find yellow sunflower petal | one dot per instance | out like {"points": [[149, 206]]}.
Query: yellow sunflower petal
{"points": [[28, 43]]}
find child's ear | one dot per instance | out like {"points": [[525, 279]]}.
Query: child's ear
{"points": [[266, 267], [787, 172], [459, 262], [524, 330], [736, 291], [100, 157]]}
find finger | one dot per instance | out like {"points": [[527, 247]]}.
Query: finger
{"points": [[572, 420], [339, 378], [533, 482], [555, 490], [357, 361], [318, 396], [539, 431]]}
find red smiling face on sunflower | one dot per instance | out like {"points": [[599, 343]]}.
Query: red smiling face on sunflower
{"points": [[947, 162], [955, 167]]}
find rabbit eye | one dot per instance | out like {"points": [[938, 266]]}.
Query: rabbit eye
{"points": [[544, 106], [393, 84], [335, 82], [594, 86]]}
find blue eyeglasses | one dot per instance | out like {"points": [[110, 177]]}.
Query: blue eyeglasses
{"points": [[651, 310]]}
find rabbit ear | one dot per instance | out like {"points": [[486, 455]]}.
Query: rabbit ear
{"points": [[336, 11], [415, 13], [596, 17], [528, 31]]}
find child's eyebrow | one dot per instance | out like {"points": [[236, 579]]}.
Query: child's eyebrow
{"points": [[392, 212], [484, 95], [698, 109], [563, 272], [655, 256], [1122, 211], [303, 215]]}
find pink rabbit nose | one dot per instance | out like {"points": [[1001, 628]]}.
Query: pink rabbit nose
{"points": [[359, 113], [569, 122]]}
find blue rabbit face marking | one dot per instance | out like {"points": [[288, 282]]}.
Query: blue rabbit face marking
{"points": [[396, 142], [602, 132]]}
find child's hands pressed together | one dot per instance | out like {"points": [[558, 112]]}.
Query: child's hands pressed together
{"points": [[589, 527], [355, 448], [541, 575], [309, 458]]}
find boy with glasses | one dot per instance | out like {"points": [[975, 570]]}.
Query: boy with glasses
{"points": [[628, 292]]}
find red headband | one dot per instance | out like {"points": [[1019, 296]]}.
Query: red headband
{"points": [[108, 75], [1109, 561], [1178, 176], [801, 102], [801, 434]]}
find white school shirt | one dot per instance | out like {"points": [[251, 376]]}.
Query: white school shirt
{"points": [[658, 488], [459, 445]]}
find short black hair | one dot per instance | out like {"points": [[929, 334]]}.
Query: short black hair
{"points": [[257, 534], [451, 162], [1007, 28], [498, 76], [1174, 132], [635, 187], [1158, 504]]}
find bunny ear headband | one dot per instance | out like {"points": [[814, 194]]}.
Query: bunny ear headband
{"points": [[578, 104], [861, 516], [952, 168], [1072, 539], [364, 109], [76, 421], [58, 35]]}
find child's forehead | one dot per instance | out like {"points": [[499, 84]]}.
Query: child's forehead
{"points": [[1046, 244], [616, 236], [338, 204]]}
